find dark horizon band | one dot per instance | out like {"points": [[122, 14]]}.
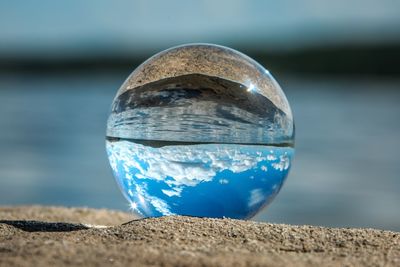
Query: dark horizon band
{"points": [[164, 143]]}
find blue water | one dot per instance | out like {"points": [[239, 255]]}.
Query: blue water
{"points": [[345, 173], [211, 180]]}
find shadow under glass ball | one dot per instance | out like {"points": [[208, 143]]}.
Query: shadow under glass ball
{"points": [[200, 130]]}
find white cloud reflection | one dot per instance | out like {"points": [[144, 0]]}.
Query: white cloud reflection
{"points": [[282, 164], [182, 166], [256, 196]]}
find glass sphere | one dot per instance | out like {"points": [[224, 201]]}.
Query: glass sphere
{"points": [[200, 130]]}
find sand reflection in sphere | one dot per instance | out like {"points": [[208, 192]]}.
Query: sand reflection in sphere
{"points": [[200, 130]]}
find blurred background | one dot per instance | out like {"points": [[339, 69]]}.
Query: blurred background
{"points": [[61, 63]]}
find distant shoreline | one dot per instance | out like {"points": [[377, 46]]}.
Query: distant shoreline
{"points": [[374, 59]]}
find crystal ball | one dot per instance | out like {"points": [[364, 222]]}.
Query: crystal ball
{"points": [[200, 130]]}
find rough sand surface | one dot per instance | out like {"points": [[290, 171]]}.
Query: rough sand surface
{"points": [[30, 236]]}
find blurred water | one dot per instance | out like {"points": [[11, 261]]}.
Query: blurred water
{"points": [[345, 172], [45, 29]]}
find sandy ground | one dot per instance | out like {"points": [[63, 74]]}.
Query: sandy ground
{"points": [[53, 236]]}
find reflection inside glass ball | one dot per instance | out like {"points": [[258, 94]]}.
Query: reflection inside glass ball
{"points": [[200, 130]]}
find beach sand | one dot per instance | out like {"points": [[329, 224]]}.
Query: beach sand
{"points": [[56, 236]]}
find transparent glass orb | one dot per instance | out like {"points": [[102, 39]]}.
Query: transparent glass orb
{"points": [[200, 130]]}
